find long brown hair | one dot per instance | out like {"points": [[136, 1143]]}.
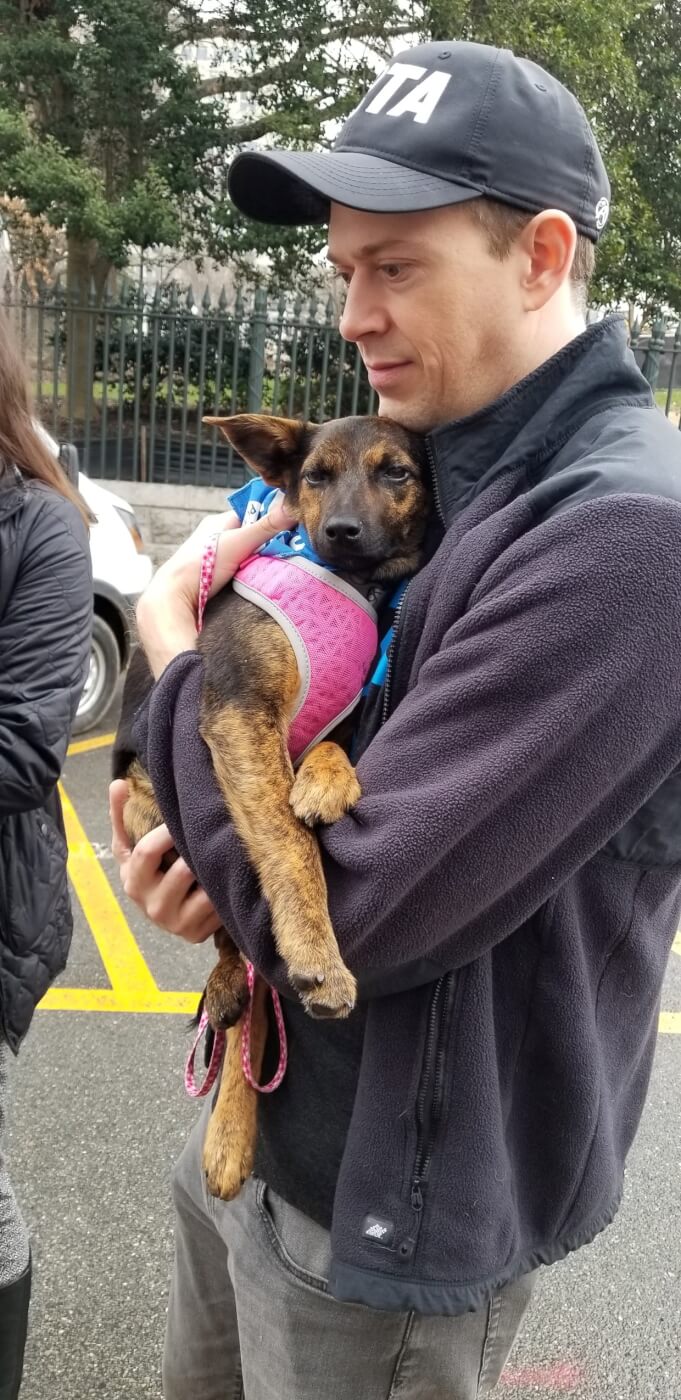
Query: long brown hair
{"points": [[20, 443]]}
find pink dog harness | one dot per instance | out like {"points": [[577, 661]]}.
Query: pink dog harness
{"points": [[333, 631]]}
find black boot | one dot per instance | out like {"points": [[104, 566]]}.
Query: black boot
{"points": [[14, 1301]]}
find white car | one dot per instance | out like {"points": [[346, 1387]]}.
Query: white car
{"points": [[121, 570]]}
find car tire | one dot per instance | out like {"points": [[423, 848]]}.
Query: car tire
{"points": [[102, 680]]}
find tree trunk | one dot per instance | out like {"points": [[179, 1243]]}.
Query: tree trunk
{"points": [[86, 273]]}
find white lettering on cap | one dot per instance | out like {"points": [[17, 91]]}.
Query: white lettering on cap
{"points": [[421, 101], [397, 75]]}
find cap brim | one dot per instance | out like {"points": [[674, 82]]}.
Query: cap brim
{"points": [[297, 187]]}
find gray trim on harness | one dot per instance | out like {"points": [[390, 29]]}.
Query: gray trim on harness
{"points": [[334, 581], [329, 727]]}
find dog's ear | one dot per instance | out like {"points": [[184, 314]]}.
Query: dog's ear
{"points": [[273, 447]]}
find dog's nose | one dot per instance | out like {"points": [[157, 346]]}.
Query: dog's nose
{"points": [[343, 529]]}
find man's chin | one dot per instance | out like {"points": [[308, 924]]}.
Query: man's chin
{"points": [[409, 415]]}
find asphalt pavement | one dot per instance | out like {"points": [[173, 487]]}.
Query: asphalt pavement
{"points": [[100, 1114]]}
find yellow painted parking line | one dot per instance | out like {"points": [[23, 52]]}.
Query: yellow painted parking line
{"points": [[670, 1023], [127, 971], [105, 999], [103, 741], [133, 988]]}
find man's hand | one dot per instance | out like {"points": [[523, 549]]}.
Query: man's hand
{"points": [[170, 898], [166, 612]]}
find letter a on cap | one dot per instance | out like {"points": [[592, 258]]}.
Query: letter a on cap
{"points": [[421, 101]]}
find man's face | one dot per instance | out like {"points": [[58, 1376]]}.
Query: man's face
{"points": [[437, 319]]}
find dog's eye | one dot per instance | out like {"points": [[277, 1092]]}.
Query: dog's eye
{"points": [[316, 476], [396, 473]]}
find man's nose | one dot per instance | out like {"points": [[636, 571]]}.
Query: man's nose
{"points": [[363, 314]]}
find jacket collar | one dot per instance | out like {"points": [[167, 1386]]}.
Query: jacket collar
{"points": [[533, 418]]}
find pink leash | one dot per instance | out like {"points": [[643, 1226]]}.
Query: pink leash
{"points": [[218, 1049]]}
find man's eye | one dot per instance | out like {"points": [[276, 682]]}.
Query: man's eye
{"points": [[394, 472], [315, 476], [392, 270]]}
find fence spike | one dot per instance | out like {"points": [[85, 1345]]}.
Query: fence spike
{"points": [[312, 308], [239, 303], [222, 299], [205, 300], [281, 306], [189, 299], [298, 306], [330, 314]]}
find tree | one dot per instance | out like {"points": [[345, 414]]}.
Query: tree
{"points": [[101, 127], [310, 69]]}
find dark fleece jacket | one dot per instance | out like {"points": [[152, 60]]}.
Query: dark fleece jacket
{"points": [[507, 889]]}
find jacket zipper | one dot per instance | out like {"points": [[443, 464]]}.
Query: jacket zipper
{"points": [[391, 655], [436, 486], [429, 1104], [400, 606]]}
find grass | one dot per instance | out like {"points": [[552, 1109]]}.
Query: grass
{"points": [[661, 400]]}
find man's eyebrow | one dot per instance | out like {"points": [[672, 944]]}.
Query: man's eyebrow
{"points": [[369, 250]]}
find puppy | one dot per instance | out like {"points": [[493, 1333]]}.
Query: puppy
{"points": [[359, 489]]}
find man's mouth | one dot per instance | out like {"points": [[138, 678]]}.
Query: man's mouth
{"points": [[384, 373]]}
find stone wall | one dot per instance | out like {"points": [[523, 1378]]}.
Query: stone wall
{"points": [[167, 514]]}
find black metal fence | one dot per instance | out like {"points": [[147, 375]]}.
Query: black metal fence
{"points": [[129, 381]]}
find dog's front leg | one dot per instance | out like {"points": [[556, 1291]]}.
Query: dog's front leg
{"points": [[325, 786]]}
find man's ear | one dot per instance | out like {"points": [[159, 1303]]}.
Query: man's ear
{"points": [[273, 447]]}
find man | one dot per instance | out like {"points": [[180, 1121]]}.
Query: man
{"points": [[508, 888]]}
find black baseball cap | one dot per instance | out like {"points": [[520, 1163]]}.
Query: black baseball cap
{"points": [[445, 123]]}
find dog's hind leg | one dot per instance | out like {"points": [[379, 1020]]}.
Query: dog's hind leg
{"points": [[229, 1144]]}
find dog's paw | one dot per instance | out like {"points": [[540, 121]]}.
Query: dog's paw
{"points": [[328, 994], [316, 796], [227, 1161], [226, 995]]}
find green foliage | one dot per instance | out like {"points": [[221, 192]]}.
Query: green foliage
{"points": [[100, 123], [107, 131]]}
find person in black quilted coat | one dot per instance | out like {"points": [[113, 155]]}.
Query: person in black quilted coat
{"points": [[45, 623]]}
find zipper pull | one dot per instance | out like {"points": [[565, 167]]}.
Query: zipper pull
{"points": [[416, 1197]]}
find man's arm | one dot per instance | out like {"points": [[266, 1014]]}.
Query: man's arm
{"points": [[548, 717]]}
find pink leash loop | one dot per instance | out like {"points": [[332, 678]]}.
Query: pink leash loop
{"points": [[194, 1090], [246, 1040], [219, 1040]]}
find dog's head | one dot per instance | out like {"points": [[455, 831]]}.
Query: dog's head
{"points": [[359, 486]]}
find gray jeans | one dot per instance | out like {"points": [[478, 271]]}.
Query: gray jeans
{"points": [[251, 1318]]}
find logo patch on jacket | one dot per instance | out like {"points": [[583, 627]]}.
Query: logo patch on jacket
{"points": [[376, 1228]]}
